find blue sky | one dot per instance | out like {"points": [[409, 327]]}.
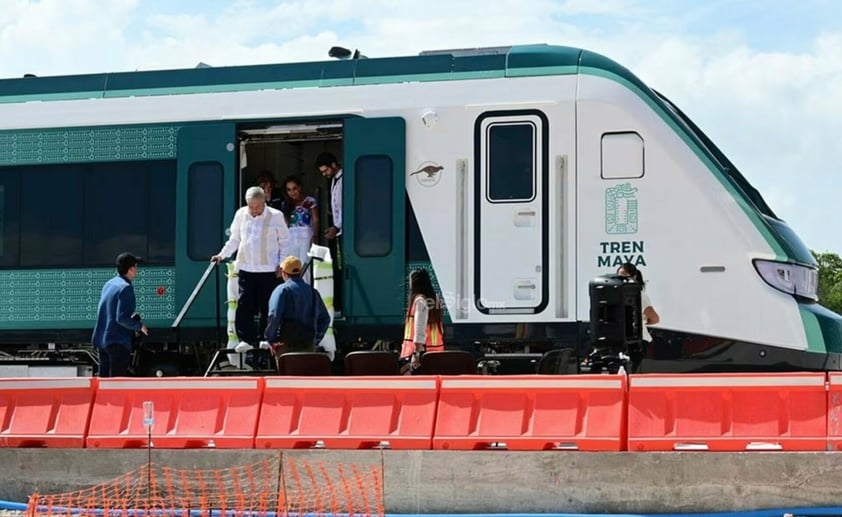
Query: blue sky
{"points": [[762, 78]]}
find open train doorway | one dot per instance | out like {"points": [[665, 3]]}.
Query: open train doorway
{"points": [[369, 281], [287, 153]]}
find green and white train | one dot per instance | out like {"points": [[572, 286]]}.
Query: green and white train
{"points": [[516, 175]]}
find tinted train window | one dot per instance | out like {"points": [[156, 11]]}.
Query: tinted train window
{"points": [[2, 218], [161, 243], [204, 210], [511, 162], [373, 206], [9, 217], [52, 208], [113, 228], [86, 214]]}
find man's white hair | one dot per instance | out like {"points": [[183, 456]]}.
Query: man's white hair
{"points": [[255, 193]]}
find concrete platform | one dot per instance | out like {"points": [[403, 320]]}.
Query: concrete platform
{"points": [[493, 481]]}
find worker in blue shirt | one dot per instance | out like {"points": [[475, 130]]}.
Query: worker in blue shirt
{"points": [[298, 318], [115, 325]]}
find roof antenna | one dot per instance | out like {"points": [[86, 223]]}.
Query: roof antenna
{"points": [[344, 53]]}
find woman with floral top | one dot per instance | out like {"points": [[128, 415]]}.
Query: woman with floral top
{"points": [[302, 219]]}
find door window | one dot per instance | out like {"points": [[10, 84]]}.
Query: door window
{"points": [[204, 210], [373, 206], [511, 162]]}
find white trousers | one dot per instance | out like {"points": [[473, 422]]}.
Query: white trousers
{"points": [[300, 238]]}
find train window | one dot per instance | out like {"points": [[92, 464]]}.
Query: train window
{"points": [[204, 210], [511, 149], [86, 214], [622, 156], [115, 212], [130, 206], [161, 243], [51, 215], [9, 194], [2, 219], [373, 200]]}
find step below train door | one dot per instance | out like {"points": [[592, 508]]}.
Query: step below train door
{"points": [[374, 220], [207, 157], [511, 219]]}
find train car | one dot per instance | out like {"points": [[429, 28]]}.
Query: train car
{"points": [[515, 175]]}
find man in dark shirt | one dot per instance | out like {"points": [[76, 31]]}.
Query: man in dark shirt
{"points": [[329, 167], [115, 326], [298, 318]]}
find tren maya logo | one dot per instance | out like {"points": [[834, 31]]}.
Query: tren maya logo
{"points": [[621, 210], [621, 218], [428, 174]]}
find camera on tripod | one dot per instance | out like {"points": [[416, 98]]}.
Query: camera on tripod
{"points": [[616, 324]]}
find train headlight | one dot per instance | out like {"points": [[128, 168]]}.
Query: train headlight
{"points": [[794, 279]]}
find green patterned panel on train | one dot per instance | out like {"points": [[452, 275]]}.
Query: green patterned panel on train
{"points": [[69, 298], [83, 145]]}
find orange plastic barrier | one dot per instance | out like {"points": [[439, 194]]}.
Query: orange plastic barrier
{"points": [[728, 412], [37, 412], [188, 413], [347, 413], [570, 412], [834, 411]]}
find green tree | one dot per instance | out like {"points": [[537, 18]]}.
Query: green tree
{"points": [[830, 280]]}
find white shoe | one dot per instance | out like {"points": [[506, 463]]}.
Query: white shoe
{"points": [[265, 345], [243, 347]]}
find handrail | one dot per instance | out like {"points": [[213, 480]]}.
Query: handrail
{"points": [[176, 324], [201, 283]]}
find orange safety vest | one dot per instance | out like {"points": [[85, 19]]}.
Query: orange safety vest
{"points": [[434, 341]]}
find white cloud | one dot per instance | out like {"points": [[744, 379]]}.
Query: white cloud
{"points": [[62, 36], [602, 7]]}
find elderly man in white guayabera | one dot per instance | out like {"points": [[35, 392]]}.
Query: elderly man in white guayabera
{"points": [[259, 236]]}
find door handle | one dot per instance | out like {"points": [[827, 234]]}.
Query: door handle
{"points": [[524, 218]]}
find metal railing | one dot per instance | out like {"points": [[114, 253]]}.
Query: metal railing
{"points": [[176, 324]]}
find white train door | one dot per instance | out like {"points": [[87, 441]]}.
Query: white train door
{"points": [[511, 216]]}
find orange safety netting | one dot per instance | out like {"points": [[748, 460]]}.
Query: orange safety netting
{"points": [[276, 486]]}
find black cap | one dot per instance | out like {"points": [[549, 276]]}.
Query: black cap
{"points": [[126, 261]]}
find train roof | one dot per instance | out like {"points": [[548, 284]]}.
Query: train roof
{"points": [[443, 65]]}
